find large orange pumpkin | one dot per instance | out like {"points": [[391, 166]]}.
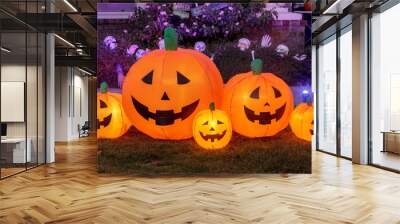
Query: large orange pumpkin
{"points": [[302, 121], [259, 104], [111, 119], [164, 90], [212, 128]]}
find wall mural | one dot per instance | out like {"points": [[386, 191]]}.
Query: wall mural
{"points": [[188, 88]]}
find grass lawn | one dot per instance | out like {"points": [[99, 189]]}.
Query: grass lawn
{"points": [[138, 154]]}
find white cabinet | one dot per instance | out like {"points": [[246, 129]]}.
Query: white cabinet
{"points": [[19, 155]]}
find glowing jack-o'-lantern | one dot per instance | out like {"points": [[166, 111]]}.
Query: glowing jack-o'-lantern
{"points": [[212, 128], [164, 89], [111, 119], [259, 104], [302, 121]]}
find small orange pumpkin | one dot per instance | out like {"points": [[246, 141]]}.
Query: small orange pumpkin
{"points": [[259, 104], [212, 128], [111, 119], [164, 90], [302, 121]]}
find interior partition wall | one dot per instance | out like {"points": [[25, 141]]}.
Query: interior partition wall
{"points": [[334, 94], [22, 76]]}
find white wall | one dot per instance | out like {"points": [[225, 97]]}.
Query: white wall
{"points": [[16, 72], [61, 103], [33, 127], [71, 102], [80, 101]]}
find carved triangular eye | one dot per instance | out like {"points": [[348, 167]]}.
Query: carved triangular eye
{"points": [[277, 92], [182, 79], [103, 104], [148, 78], [256, 93], [220, 122], [205, 123]]}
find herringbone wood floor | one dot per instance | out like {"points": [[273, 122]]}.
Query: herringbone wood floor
{"points": [[70, 191]]}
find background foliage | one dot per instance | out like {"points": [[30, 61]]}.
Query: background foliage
{"points": [[220, 29]]}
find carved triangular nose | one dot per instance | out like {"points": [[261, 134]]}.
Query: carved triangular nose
{"points": [[212, 129], [165, 96]]}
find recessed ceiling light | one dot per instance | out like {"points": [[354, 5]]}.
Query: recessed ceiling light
{"points": [[70, 5], [84, 71], [64, 40], [5, 50], [331, 7]]}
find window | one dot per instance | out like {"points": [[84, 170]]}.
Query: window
{"points": [[385, 89], [327, 96], [346, 92], [22, 75]]}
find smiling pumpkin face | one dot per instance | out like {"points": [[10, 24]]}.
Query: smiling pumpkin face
{"points": [[302, 121], [259, 104], [111, 119], [165, 89], [212, 128]]}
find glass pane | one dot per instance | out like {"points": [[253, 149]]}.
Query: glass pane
{"points": [[41, 98], [327, 96], [346, 94], [13, 85], [31, 98], [33, 7], [385, 84], [22, 82]]}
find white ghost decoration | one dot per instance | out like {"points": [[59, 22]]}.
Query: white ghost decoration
{"points": [[300, 57], [120, 75], [110, 42], [200, 46], [266, 41], [140, 53], [132, 49], [243, 44], [282, 50], [161, 44]]}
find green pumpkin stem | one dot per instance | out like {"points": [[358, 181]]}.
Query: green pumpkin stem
{"points": [[103, 87], [212, 106], [308, 100], [170, 39], [256, 66]]}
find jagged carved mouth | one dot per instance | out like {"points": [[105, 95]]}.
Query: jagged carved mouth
{"points": [[264, 117], [213, 136], [164, 117], [105, 122], [312, 130]]}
